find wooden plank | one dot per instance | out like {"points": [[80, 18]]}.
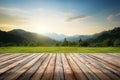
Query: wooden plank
{"points": [[8, 62], [20, 71], [104, 70], [11, 59], [67, 69], [13, 65], [109, 59], [90, 75], [96, 71], [11, 71], [42, 68], [28, 74], [59, 67], [7, 57], [75, 68], [48, 75], [58, 74], [108, 66], [2, 55], [117, 56]]}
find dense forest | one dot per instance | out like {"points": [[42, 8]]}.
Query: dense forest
{"points": [[23, 38]]}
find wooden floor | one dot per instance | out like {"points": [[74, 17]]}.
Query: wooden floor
{"points": [[59, 66]]}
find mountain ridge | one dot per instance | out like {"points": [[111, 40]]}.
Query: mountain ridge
{"points": [[23, 38], [61, 37], [19, 37]]}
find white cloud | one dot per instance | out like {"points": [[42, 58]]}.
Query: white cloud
{"points": [[77, 18], [12, 19], [110, 17], [118, 14], [114, 17], [12, 9]]}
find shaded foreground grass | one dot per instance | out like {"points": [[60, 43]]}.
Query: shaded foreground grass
{"points": [[59, 49]]}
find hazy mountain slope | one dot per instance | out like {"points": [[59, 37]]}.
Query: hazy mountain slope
{"points": [[56, 36], [23, 37], [60, 37], [78, 37], [8, 38], [100, 37]]}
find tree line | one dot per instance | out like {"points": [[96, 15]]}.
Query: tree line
{"points": [[85, 43]]}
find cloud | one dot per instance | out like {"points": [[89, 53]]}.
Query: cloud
{"points": [[6, 9], [110, 17], [12, 19], [12, 16], [78, 18], [114, 17], [65, 14]]}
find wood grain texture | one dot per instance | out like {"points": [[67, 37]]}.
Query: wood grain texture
{"points": [[62, 66]]}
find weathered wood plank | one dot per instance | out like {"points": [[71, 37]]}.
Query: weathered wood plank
{"points": [[103, 69], [58, 74], [67, 69], [13, 65], [42, 68], [11, 71], [109, 66], [10, 56], [48, 75], [8, 62], [76, 70], [20, 71], [2, 55], [85, 69], [109, 59], [96, 71], [59, 67], [117, 56], [27, 75]]}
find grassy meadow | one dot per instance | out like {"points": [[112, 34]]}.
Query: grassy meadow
{"points": [[59, 49]]}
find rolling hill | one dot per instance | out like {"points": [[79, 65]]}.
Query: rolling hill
{"points": [[104, 37], [18, 37], [23, 38], [111, 34]]}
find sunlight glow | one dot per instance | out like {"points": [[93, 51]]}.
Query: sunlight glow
{"points": [[69, 17], [41, 30]]}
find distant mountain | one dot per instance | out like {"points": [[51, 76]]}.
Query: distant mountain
{"points": [[78, 37], [60, 37], [55, 36], [21, 37], [18, 31], [111, 35], [18, 37]]}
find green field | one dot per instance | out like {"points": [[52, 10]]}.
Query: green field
{"points": [[59, 49]]}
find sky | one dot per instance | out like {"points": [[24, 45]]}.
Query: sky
{"points": [[67, 17]]}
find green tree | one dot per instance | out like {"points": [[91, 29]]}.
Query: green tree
{"points": [[107, 42], [80, 42], [70, 43], [57, 44], [65, 42], [1, 44], [117, 43], [84, 43]]}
